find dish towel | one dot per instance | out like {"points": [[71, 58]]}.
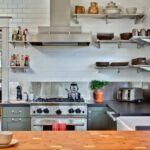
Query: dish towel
{"points": [[59, 127]]}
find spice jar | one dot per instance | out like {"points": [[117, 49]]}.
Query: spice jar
{"points": [[135, 32], [26, 60], [14, 35], [143, 32], [93, 9], [148, 32]]}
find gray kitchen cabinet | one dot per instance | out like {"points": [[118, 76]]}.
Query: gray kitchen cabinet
{"points": [[98, 119], [16, 124], [16, 119]]}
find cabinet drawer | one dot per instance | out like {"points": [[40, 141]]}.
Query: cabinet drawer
{"points": [[16, 124], [16, 111]]}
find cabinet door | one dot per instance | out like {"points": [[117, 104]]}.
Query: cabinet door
{"points": [[16, 124], [98, 119], [18, 112]]}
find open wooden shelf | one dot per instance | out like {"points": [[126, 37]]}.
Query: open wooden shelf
{"points": [[144, 40], [119, 68], [136, 17], [22, 68], [15, 43], [118, 42]]}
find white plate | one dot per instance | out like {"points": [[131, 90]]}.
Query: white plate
{"points": [[12, 143]]}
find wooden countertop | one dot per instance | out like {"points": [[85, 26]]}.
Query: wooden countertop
{"points": [[93, 140]]}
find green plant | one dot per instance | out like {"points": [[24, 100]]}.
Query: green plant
{"points": [[95, 84]]}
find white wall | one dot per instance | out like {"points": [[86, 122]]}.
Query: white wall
{"points": [[61, 64], [74, 63]]}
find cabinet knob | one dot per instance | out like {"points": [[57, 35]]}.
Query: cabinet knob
{"points": [[20, 111], [12, 119], [19, 119], [13, 111]]}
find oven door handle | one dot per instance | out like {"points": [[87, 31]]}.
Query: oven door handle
{"points": [[82, 124]]}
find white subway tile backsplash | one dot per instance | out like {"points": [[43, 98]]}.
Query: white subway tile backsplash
{"points": [[35, 11], [10, 5], [3, 6], [17, 11], [33, 16], [74, 63]]}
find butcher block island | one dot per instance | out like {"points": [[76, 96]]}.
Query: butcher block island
{"points": [[92, 140]]}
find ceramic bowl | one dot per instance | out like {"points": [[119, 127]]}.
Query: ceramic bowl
{"points": [[105, 36], [5, 138], [112, 11], [131, 10], [126, 36]]}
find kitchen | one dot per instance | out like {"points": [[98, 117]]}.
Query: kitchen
{"points": [[56, 74]]}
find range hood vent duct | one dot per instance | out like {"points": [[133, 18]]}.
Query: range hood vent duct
{"points": [[60, 32]]}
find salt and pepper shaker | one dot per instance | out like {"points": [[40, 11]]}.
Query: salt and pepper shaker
{"points": [[19, 92]]}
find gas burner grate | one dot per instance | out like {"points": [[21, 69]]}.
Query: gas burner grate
{"points": [[48, 100]]}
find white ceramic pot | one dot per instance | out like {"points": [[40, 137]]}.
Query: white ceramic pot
{"points": [[131, 10], [5, 138]]}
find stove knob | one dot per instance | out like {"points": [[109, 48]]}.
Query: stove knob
{"points": [[46, 111], [58, 112], [78, 111], [71, 111], [39, 110]]}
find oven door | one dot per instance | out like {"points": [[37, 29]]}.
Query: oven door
{"points": [[45, 124]]}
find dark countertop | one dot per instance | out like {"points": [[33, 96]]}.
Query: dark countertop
{"points": [[97, 105], [129, 109], [7, 104], [121, 108]]}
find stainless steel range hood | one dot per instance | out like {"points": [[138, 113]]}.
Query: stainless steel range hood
{"points": [[60, 31]]}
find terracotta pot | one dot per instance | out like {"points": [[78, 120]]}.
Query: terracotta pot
{"points": [[98, 96], [79, 10]]}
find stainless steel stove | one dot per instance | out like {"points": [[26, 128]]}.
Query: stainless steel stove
{"points": [[45, 112]]}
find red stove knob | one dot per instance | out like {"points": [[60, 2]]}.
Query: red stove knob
{"points": [[46, 111], [71, 111], [78, 110], [39, 110], [58, 112]]}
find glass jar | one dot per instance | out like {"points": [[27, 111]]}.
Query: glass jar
{"points": [[93, 9]]}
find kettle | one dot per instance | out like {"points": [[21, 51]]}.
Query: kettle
{"points": [[73, 93]]}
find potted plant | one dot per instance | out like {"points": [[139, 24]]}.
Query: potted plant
{"points": [[96, 85]]}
